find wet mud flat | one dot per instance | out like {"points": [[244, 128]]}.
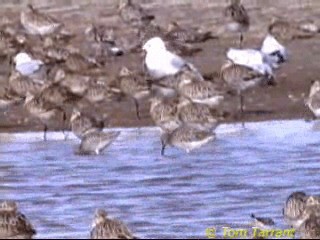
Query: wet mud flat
{"points": [[283, 101]]}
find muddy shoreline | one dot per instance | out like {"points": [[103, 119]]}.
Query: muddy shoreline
{"points": [[283, 101]]}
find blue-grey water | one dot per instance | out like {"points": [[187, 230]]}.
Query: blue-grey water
{"points": [[251, 170]]}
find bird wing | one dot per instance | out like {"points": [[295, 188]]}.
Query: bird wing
{"points": [[28, 68]]}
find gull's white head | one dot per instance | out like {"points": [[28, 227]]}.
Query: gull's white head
{"points": [[154, 44], [21, 58]]}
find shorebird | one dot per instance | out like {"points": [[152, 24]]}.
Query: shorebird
{"points": [[37, 23], [241, 78], [199, 116], [294, 209], [313, 101], [94, 142], [262, 222], [58, 95], [164, 113], [310, 229], [44, 111], [9, 99], [285, 30], [101, 42], [76, 63], [186, 138], [81, 124], [14, 224], [203, 92], [161, 63], [133, 14], [104, 227], [20, 85], [175, 32], [133, 86], [238, 18]]}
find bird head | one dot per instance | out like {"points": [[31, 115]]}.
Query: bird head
{"points": [[154, 44], [21, 58]]}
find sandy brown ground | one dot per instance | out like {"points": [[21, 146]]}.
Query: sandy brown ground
{"points": [[284, 101]]}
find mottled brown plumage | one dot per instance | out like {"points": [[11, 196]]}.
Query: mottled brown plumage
{"points": [[134, 86], [238, 19], [82, 123], [107, 228], [37, 23], [14, 224]]}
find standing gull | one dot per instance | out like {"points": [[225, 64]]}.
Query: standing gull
{"points": [[104, 227], [238, 18], [33, 68], [162, 63], [14, 224]]}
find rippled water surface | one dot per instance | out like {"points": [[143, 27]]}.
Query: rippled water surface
{"points": [[244, 171]]}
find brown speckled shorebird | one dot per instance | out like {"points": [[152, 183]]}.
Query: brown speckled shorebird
{"points": [[175, 32], [238, 18], [186, 138], [285, 30], [310, 229], [81, 124], [313, 100], [241, 78], [37, 23], [59, 95], [94, 142], [294, 209], [202, 92], [199, 116], [20, 85], [9, 99], [44, 111], [76, 63], [164, 113], [14, 224], [133, 14], [104, 227], [134, 86]]}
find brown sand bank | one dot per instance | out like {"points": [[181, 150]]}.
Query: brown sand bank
{"points": [[284, 101]]}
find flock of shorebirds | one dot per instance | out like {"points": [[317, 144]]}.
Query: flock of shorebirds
{"points": [[300, 211], [56, 82], [186, 106]]}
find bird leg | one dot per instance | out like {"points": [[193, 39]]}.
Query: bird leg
{"points": [[64, 118], [241, 40], [45, 129], [136, 103], [241, 109], [162, 148]]}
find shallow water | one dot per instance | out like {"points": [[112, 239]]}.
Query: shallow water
{"points": [[244, 171]]}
